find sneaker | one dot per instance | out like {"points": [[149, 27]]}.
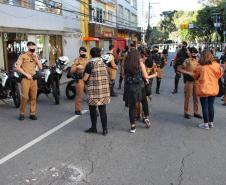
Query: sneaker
{"points": [[198, 116], [204, 126], [147, 123], [33, 117], [211, 125], [174, 91], [21, 117], [133, 129], [187, 116]]}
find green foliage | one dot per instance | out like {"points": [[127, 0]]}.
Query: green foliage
{"points": [[154, 36], [167, 24]]}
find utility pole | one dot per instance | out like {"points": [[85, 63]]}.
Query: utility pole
{"points": [[149, 14]]}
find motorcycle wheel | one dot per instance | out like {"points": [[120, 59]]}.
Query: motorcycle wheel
{"points": [[56, 92], [16, 95], [70, 90]]}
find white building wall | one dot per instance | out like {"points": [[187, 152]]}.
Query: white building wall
{"points": [[17, 17], [24, 20], [127, 5], [1, 53]]}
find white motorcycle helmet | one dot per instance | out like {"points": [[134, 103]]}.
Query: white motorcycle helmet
{"points": [[63, 60], [43, 62]]}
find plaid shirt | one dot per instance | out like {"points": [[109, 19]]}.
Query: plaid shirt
{"points": [[98, 84]]}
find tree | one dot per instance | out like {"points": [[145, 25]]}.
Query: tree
{"points": [[167, 24], [154, 36], [210, 2]]}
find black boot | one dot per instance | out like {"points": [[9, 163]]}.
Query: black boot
{"points": [[158, 85], [120, 82], [176, 86], [112, 93]]}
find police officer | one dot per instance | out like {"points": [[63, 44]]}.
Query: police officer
{"points": [[27, 64], [112, 70], [189, 88], [78, 69], [181, 56]]}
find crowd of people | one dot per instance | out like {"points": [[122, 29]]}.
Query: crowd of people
{"points": [[137, 67]]}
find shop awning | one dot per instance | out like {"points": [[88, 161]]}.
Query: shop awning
{"points": [[90, 39]]}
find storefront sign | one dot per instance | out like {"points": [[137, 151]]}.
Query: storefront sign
{"points": [[123, 35], [101, 31]]}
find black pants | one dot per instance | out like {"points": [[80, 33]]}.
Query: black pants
{"points": [[132, 106], [158, 80], [103, 115], [120, 81]]}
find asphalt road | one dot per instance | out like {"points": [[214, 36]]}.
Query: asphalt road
{"points": [[173, 152]]}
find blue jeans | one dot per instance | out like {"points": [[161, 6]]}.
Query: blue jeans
{"points": [[207, 108]]}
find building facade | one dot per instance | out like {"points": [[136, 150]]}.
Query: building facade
{"points": [[54, 26], [127, 23], [109, 22]]}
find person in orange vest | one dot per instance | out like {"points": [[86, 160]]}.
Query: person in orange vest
{"points": [[78, 69], [206, 76]]}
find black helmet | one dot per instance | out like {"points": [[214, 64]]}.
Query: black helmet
{"points": [[193, 50]]}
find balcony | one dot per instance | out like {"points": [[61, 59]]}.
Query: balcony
{"points": [[48, 6]]}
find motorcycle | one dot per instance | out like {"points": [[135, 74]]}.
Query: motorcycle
{"points": [[49, 78], [9, 87], [70, 90]]}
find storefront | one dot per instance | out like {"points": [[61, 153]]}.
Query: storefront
{"points": [[105, 34], [122, 40], [48, 46]]}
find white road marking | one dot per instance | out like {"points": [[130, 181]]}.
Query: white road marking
{"points": [[38, 139]]}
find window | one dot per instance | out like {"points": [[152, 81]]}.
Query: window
{"points": [[40, 5], [110, 17], [133, 20], [100, 14], [120, 11], [127, 16]]}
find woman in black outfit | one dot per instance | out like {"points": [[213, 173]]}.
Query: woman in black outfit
{"points": [[134, 90]]}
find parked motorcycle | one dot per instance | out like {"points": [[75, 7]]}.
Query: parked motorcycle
{"points": [[9, 86], [70, 90], [49, 77]]}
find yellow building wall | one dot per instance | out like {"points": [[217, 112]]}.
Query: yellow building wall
{"points": [[84, 9], [111, 8]]}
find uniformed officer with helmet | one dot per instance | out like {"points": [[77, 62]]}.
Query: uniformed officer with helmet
{"points": [[27, 64]]}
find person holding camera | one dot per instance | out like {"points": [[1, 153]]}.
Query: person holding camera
{"points": [[26, 65]]}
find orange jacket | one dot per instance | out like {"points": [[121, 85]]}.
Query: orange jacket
{"points": [[206, 79]]}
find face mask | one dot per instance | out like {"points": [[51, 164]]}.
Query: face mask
{"points": [[32, 50], [83, 55]]}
